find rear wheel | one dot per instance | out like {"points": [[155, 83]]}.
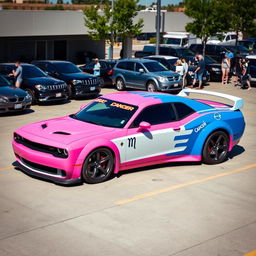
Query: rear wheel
{"points": [[120, 85], [151, 86], [98, 166], [216, 148]]}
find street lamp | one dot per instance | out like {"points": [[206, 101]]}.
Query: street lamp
{"points": [[158, 25], [110, 50]]}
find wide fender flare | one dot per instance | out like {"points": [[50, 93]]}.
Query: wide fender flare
{"points": [[120, 76], [153, 79], [204, 133], [100, 143]]}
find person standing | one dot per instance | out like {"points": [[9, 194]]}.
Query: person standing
{"points": [[199, 72], [96, 68], [245, 79], [225, 67], [18, 74], [185, 67]]}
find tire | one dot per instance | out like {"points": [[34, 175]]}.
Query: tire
{"points": [[32, 95], [215, 149], [98, 166], [151, 87], [120, 85], [102, 82]]}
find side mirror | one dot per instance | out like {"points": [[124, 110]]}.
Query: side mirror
{"points": [[141, 70], [83, 106], [144, 126]]}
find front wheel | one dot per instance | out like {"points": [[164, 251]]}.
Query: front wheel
{"points": [[98, 166], [215, 149], [151, 87], [120, 85], [32, 96]]}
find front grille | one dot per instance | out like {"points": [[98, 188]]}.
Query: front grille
{"points": [[43, 168], [40, 147], [17, 99], [173, 78], [56, 87], [93, 81]]}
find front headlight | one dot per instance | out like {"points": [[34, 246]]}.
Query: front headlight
{"points": [[215, 69], [3, 100], [40, 87], [162, 79], [76, 82], [190, 73], [62, 153]]}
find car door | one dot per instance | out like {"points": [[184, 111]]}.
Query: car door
{"points": [[129, 75], [140, 78], [162, 140]]}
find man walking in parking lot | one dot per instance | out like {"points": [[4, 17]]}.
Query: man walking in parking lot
{"points": [[199, 72], [18, 74], [96, 69]]}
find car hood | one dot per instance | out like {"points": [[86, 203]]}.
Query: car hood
{"points": [[165, 73], [44, 81], [63, 130], [213, 65], [8, 91], [77, 76]]}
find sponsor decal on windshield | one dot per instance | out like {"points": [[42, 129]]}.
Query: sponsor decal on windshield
{"points": [[122, 106]]}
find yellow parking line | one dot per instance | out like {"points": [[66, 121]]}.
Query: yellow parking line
{"points": [[250, 254], [6, 168], [168, 189]]}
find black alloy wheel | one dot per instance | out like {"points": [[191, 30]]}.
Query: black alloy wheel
{"points": [[120, 85], [98, 166], [216, 148], [32, 95]]}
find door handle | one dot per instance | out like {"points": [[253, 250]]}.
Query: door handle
{"points": [[177, 129]]}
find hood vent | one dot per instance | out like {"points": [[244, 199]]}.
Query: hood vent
{"points": [[44, 126], [63, 133]]}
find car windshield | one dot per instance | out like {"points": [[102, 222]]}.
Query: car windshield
{"points": [[32, 72], [4, 82], [175, 41], [185, 52], [155, 66], [172, 61], [209, 60], [106, 112], [66, 67]]}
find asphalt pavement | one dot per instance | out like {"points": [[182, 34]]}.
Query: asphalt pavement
{"points": [[165, 210]]}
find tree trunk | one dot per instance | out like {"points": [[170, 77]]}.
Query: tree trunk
{"points": [[127, 47]]}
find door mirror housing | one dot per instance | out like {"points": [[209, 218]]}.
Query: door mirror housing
{"points": [[144, 126], [141, 70]]}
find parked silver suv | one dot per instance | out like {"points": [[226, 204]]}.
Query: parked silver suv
{"points": [[145, 74]]}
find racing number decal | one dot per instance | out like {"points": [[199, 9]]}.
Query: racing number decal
{"points": [[132, 142]]}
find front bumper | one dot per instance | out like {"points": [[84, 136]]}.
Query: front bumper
{"points": [[14, 107], [32, 173], [52, 96], [81, 91], [170, 86]]}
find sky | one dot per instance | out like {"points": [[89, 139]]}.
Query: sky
{"points": [[163, 2]]}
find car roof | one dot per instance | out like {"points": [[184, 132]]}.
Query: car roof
{"points": [[138, 60], [51, 61], [162, 56], [144, 99], [13, 63], [251, 56]]}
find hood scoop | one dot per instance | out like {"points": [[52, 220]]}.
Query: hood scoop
{"points": [[62, 133]]}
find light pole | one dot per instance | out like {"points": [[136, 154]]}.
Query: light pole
{"points": [[110, 50], [158, 25]]}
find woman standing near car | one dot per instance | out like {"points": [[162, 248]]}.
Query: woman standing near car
{"points": [[225, 66], [185, 68]]}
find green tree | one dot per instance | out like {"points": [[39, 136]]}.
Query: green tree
{"points": [[208, 18], [108, 24], [241, 15]]}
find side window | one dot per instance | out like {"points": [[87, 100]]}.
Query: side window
{"points": [[41, 66], [130, 65], [183, 110], [3, 70], [138, 66], [103, 64], [164, 50], [50, 68], [121, 65], [156, 114]]}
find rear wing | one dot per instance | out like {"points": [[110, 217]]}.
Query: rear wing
{"points": [[237, 102]]}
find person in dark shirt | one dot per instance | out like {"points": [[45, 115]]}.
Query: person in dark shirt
{"points": [[199, 72]]}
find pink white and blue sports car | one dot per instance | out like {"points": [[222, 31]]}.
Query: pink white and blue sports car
{"points": [[126, 130]]}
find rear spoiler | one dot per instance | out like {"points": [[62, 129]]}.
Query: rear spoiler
{"points": [[238, 102]]}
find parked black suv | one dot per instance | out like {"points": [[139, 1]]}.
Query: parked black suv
{"points": [[214, 51], [37, 83], [80, 84], [166, 50], [106, 67]]}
